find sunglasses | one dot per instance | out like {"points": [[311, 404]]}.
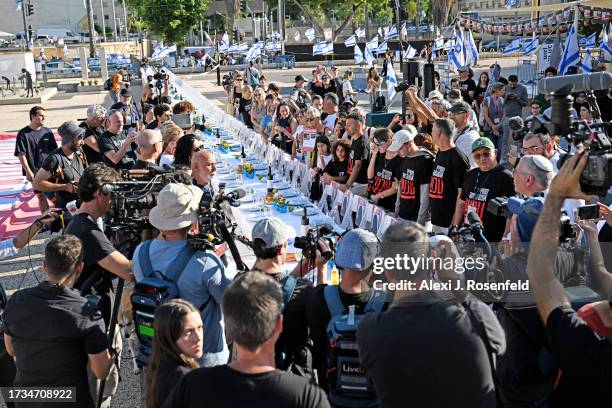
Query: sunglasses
{"points": [[479, 156]]}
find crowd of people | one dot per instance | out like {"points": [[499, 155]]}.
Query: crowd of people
{"points": [[269, 337]]}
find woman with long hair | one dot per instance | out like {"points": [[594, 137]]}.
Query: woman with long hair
{"points": [[481, 88], [258, 107], [347, 88], [171, 133], [177, 345], [285, 125], [185, 148], [336, 169], [245, 105]]}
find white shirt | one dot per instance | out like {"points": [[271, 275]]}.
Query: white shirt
{"points": [[330, 121], [166, 159], [347, 88], [464, 141]]}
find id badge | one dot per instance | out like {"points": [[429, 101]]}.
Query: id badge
{"points": [[128, 121]]}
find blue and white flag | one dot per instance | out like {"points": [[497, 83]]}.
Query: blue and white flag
{"points": [[373, 44], [65, 49], [273, 46], [382, 48], [310, 34], [471, 49], [514, 46], [358, 55], [589, 42], [531, 46], [510, 4], [605, 44], [439, 43], [163, 52], [403, 30], [255, 51], [571, 51], [223, 46], [368, 56], [360, 33], [409, 52], [323, 48], [351, 41], [391, 81], [297, 36], [391, 33], [456, 56], [586, 64], [226, 38]]}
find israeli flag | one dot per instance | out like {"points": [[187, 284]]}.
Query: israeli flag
{"points": [[391, 81], [571, 51], [605, 45], [382, 48], [439, 43], [456, 56], [368, 56], [514, 46], [223, 46], [323, 48], [589, 42], [254, 52], [351, 41], [358, 55], [510, 4], [310, 34], [586, 64], [273, 46], [531, 46], [391, 33], [409, 52], [403, 30], [471, 49], [360, 33], [162, 52], [373, 44], [225, 38]]}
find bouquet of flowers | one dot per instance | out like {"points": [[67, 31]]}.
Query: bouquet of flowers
{"points": [[224, 147], [248, 170], [280, 202]]}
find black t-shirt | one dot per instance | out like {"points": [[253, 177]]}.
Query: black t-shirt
{"points": [[360, 150], [447, 177], [169, 374], [96, 245], [224, 387], [409, 351], [153, 125], [337, 169], [466, 87], [91, 155], [585, 360], [385, 174], [480, 91], [321, 90], [318, 317], [53, 329], [413, 172], [72, 170], [110, 142], [142, 165], [481, 187], [35, 145], [244, 107], [605, 107]]}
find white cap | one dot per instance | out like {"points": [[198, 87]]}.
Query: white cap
{"points": [[400, 138]]}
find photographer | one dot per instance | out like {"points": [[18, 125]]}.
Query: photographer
{"points": [[101, 259], [62, 169], [96, 115], [150, 147], [359, 156], [299, 96], [583, 357], [114, 146], [127, 107], [516, 99], [481, 185], [202, 280], [53, 332], [270, 239]]}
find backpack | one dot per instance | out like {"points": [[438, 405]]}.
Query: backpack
{"points": [[108, 84], [351, 387], [153, 290]]}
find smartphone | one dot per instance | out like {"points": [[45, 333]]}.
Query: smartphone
{"points": [[588, 212]]}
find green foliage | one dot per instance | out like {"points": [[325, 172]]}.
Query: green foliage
{"points": [[171, 19], [411, 9]]}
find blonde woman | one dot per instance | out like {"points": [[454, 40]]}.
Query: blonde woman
{"points": [[258, 107], [171, 133]]}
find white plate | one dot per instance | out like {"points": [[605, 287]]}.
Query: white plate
{"points": [[283, 185], [251, 208], [247, 199], [310, 211], [260, 167], [290, 194], [298, 201]]}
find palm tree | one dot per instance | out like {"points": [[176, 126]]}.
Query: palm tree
{"points": [[440, 10]]}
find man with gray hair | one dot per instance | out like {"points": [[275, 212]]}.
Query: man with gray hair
{"points": [[252, 308], [150, 145], [96, 114], [532, 175], [416, 329]]}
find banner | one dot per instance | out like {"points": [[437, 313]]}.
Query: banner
{"points": [[544, 57]]}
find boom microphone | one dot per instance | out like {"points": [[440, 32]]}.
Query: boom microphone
{"points": [[580, 82]]}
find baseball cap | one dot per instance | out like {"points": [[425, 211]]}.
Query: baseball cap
{"points": [[527, 211], [436, 95], [177, 207], [272, 231], [356, 250], [126, 92], [400, 138], [460, 107], [482, 142], [69, 131], [299, 78]]}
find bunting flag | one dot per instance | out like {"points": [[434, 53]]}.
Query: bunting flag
{"points": [[358, 55], [391, 81], [586, 64], [471, 50], [456, 56], [360, 33], [391, 33], [310, 34], [382, 48], [605, 44], [571, 51], [351, 41], [514, 46], [531, 46], [409, 52]]}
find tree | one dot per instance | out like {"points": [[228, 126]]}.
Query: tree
{"points": [[440, 10], [171, 19], [411, 9]]}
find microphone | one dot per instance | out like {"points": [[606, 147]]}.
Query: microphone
{"points": [[516, 123], [580, 82]]}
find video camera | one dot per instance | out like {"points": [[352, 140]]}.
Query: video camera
{"points": [[319, 238], [597, 175], [227, 80]]}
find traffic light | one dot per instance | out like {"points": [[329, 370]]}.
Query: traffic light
{"points": [[30, 9], [236, 35], [30, 32], [243, 6]]}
